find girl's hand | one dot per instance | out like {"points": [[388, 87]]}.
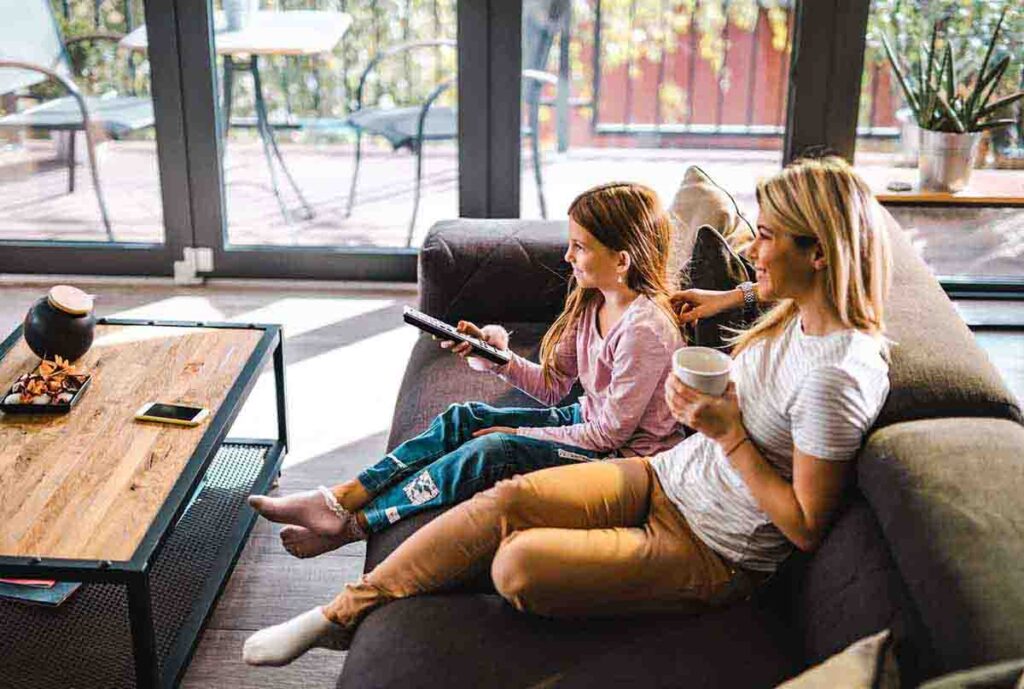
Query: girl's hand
{"points": [[694, 304], [494, 335], [719, 418], [494, 429]]}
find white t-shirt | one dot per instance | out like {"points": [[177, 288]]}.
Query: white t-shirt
{"points": [[819, 394]]}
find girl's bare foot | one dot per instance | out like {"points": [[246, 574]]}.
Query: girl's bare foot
{"points": [[303, 543]]}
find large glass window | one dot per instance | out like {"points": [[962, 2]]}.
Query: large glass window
{"points": [[338, 121], [975, 233], [639, 90], [58, 181]]}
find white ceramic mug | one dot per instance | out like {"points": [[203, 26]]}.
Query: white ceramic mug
{"points": [[702, 368]]}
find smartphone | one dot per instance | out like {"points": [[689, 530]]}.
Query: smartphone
{"points": [[179, 414]]}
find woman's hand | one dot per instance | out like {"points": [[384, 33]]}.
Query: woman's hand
{"points": [[494, 335], [719, 418], [494, 429], [694, 304]]}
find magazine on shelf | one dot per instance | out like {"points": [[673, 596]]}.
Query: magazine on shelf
{"points": [[40, 595]]}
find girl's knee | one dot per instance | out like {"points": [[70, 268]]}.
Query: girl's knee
{"points": [[465, 412]]}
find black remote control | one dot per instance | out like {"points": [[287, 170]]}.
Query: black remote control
{"points": [[441, 329]]}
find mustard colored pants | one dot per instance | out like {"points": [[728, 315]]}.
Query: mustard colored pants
{"points": [[594, 539]]}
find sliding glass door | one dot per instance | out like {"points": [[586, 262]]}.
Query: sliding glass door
{"points": [[92, 166], [323, 135]]}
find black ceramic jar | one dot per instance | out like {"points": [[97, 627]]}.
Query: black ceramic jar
{"points": [[61, 324]]}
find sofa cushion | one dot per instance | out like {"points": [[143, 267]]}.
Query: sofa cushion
{"points": [[948, 496], [937, 368], [1008, 675], [480, 641], [701, 201], [851, 588], [865, 664], [494, 271]]}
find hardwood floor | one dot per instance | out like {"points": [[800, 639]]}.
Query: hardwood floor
{"points": [[347, 342]]}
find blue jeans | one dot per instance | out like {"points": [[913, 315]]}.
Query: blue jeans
{"points": [[445, 464]]}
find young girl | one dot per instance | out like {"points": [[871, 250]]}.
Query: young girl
{"points": [[616, 335], [701, 523]]}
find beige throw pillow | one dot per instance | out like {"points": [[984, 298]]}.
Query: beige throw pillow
{"points": [[700, 201], [865, 664]]}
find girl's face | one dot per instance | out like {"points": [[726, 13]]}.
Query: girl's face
{"points": [[785, 270], [593, 264]]}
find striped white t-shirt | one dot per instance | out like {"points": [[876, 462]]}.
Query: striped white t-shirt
{"points": [[819, 394]]}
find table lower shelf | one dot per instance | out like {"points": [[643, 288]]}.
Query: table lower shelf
{"points": [[86, 641]]}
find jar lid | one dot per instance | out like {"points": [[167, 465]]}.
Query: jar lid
{"points": [[70, 300]]}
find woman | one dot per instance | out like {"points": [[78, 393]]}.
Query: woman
{"points": [[704, 522], [615, 336]]}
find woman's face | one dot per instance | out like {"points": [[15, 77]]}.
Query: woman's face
{"points": [[785, 270], [593, 264]]}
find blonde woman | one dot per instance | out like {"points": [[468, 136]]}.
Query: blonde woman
{"points": [[701, 523], [615, 336]]}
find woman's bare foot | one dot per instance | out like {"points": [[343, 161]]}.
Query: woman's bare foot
{"points": [[303, 543]]}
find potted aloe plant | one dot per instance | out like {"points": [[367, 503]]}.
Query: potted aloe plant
{"points": [[951, 115]]}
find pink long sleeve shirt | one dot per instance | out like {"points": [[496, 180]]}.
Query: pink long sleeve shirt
{"points": [[622, 375]]}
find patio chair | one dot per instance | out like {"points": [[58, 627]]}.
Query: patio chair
{"points": [[31, 52], [409, 127]]}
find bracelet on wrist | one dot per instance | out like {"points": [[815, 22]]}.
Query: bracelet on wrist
{"points": [[737, 445]]}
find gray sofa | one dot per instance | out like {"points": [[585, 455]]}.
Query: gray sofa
{"points": [[930, 544]]}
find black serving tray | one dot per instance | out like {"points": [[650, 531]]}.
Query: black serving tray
{"points": [[45, 408]]}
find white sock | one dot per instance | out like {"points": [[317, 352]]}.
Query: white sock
{"points": [[283, 643]]}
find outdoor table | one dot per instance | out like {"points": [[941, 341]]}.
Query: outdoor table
{"points": [[294, 32]]}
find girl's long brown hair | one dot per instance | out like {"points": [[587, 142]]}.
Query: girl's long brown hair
{"points": [[623, 216]]}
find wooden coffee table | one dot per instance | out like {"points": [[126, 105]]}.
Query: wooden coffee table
{"points": [[151, 517]]}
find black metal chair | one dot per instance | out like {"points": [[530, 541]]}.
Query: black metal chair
{"points": [[410, 127], [31, 52]]}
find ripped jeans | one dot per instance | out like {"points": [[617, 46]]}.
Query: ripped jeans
{"points": [[445, 464]]}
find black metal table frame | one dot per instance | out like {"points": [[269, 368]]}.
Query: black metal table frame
{"points": [[133, 573], [263, 127]]}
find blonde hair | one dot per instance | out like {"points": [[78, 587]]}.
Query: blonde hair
{"points": [[824, 200], [622, 216]]}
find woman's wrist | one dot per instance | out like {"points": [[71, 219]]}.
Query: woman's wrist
{"points": [[730, 442], [737, 298]]}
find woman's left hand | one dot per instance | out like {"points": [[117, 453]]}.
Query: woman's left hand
{"points": [[719, 418], [494, 429]]}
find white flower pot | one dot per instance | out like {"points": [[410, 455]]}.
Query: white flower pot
{"points": [[945, 160]]}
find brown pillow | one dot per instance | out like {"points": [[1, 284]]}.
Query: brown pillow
{"points": [[865, 664]]}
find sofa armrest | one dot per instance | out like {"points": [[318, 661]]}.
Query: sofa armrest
{"points": [[494, 271], [947, 495]]}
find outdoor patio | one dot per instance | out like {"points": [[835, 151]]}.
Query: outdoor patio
{"points": [[34, 204]]}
